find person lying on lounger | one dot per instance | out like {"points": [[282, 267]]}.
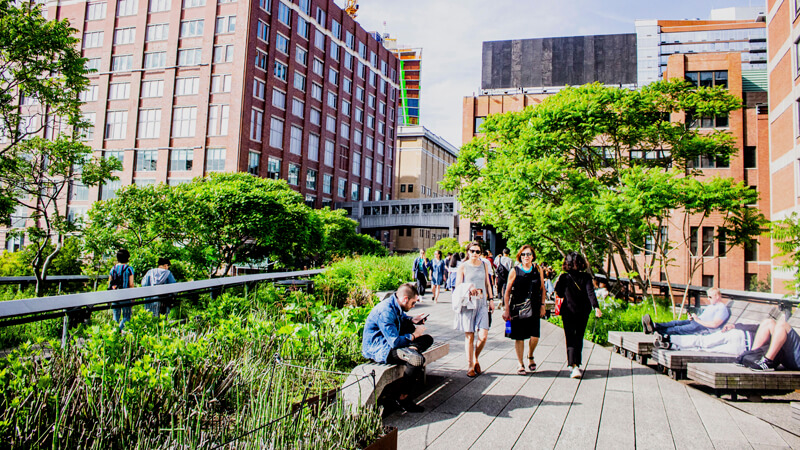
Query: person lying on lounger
{"points": [[733, 339], [784, 346]]}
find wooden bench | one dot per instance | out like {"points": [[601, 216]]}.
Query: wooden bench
{"points": [[734, 380], [359, 389], [675, 362]]}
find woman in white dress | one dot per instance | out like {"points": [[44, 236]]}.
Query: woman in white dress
{"points": [[474, 274]]}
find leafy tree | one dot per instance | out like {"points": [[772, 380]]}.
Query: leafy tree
{"points": [[601, 170], [445, 245], [340, 238], [40, 61], [786, 237]]}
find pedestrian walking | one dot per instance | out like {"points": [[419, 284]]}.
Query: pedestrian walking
{"points": [[155, 277], [421, 268], [576, 289], [503, 264], [472, 304], [438, 272], [121, 277], [452, 270], [524, 306]]}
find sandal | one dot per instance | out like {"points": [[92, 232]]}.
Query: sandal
{"points": [[521, 371], [532, 365], [471, 373], [477, 369]]}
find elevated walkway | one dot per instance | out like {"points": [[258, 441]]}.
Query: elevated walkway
{"points": [[440, 212]]}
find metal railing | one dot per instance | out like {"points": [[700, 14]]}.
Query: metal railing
{"points": [[78, 307], [60, 279]]}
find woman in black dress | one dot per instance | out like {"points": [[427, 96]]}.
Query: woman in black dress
{"points": [[576, 288], [524, 282]]}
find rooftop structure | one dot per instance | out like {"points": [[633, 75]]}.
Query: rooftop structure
{"points": [[410, 79]]}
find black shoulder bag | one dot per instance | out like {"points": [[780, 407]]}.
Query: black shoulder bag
{"points": [[523, 310]]}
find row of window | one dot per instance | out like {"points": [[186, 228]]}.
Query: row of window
{"points": [[184, 123], [98, 10], [705, 236], [220, 83]]}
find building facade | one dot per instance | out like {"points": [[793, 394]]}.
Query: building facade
{"points": [[410, 80], [295, 90], [783, 53]]}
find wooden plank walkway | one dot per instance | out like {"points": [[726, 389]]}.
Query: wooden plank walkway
{"points": [[618, 404]]}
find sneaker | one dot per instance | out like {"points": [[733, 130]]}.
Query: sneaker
{"points": [[411, 356], [763, 365], [647, 324], [662, 341], [576, 372]]}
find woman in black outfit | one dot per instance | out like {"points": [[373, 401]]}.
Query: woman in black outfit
{"points": [[525, 281], [576, 288]]}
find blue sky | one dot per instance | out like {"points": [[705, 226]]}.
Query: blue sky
{"points": [[451, 33]]}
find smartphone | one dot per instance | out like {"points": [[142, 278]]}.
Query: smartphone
{"points": [[424, 318]]}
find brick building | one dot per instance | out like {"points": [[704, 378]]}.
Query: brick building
{"points": [[783, 53], [295, 90]]}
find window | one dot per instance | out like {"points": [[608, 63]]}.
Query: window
{"points": [[154, 60], [157, 32], [218, 120], [357, 136], [149, 123], [281, 71], [380, 148], [362, 50], [265, 5], [342, 188], [751, 251], [126, 7], [318, 67], [371, 122], [313, 145], [333, 100], [116, 124], [797, 55], [96, 11], [320, 16], [191, 28], [708, 241], [711, 162], [348, 60], [88, 130], [181, 159], [224, 53], [221, 83], [381, 127], [299, 81], [90, 94], [253, 163], [276, 133], [333, 76], [109, 189], [189, 57], [79, 192], [124, 35], [225, 24], [334, 53], [273, 168], [694, 121], [327, 182], [382, 108], [346, 108], [410, 188], [293, 176], [330, 124], [370, 142], [359, 115], [296, 140], [93, 64], [354, 192], [319, 40], [329, 150], [368, 168], [708, 280], [278, 99], [708, 78], [262, 31], [146, 160], [371, 101], [193, 3], [261, 59], [184, 121], [379, 173], [343, 158], [298, 107], [360, 93], [93, 39], [750, 157], [373, 78], [350, 40], [187, 86], [357, 164], [159, 5], [256, 124], [258, 88], [345, 130], [284, 14], [152, 88], [301, 55], [305, 6], [722, 244], [316, 91], [302, 28], [315, 116], [215, 159], [311, 179], [282, 43], [347, 84], [373, 59]]}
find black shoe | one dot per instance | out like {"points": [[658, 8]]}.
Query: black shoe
{"points": [[763, 365], [662, 341], [411, 356], [408, 406], [647, 324]]}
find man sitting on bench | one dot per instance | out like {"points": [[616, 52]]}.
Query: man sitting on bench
{"points": [[784, 346], [714, 316], [733, 339], [390, 336]]}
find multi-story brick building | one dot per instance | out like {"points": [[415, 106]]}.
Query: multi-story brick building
{"points": [[295, 90], [783, 53]]}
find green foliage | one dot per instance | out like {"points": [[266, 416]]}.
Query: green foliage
{"points": [[354, 281], [446, 245], [786, 237], [341, 239], [14, 265], [565, 174]]}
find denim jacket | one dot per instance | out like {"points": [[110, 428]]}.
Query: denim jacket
{"points": [[382, 330]]}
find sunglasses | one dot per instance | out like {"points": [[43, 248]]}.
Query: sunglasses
{"points": [[526, 254], [474, 251]]}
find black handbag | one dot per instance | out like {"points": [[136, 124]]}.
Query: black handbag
{"points": [[523, 310]]}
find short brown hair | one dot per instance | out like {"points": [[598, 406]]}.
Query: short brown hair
{"points": [[574, 261], [523, 248], [473, 244], [406, 290]]}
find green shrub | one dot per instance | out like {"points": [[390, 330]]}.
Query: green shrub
{"points": [[445, 245], [353, 281]]}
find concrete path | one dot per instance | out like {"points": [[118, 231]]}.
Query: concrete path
{"points": [[618, 404]]}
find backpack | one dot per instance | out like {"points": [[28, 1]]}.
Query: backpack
{"points": [[501, 272], [118, 277], [752, 356]]}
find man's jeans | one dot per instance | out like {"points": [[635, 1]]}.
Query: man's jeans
{"points": [[414, 366], [680, 327]]}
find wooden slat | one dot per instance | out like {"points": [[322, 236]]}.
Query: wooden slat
{"points": [[652, 428], [682, 416], [617, 421]]}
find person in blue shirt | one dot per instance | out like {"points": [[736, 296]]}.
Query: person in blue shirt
{"points": [[121, 277], [713, 317], [422, 266], [391, 336]]}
